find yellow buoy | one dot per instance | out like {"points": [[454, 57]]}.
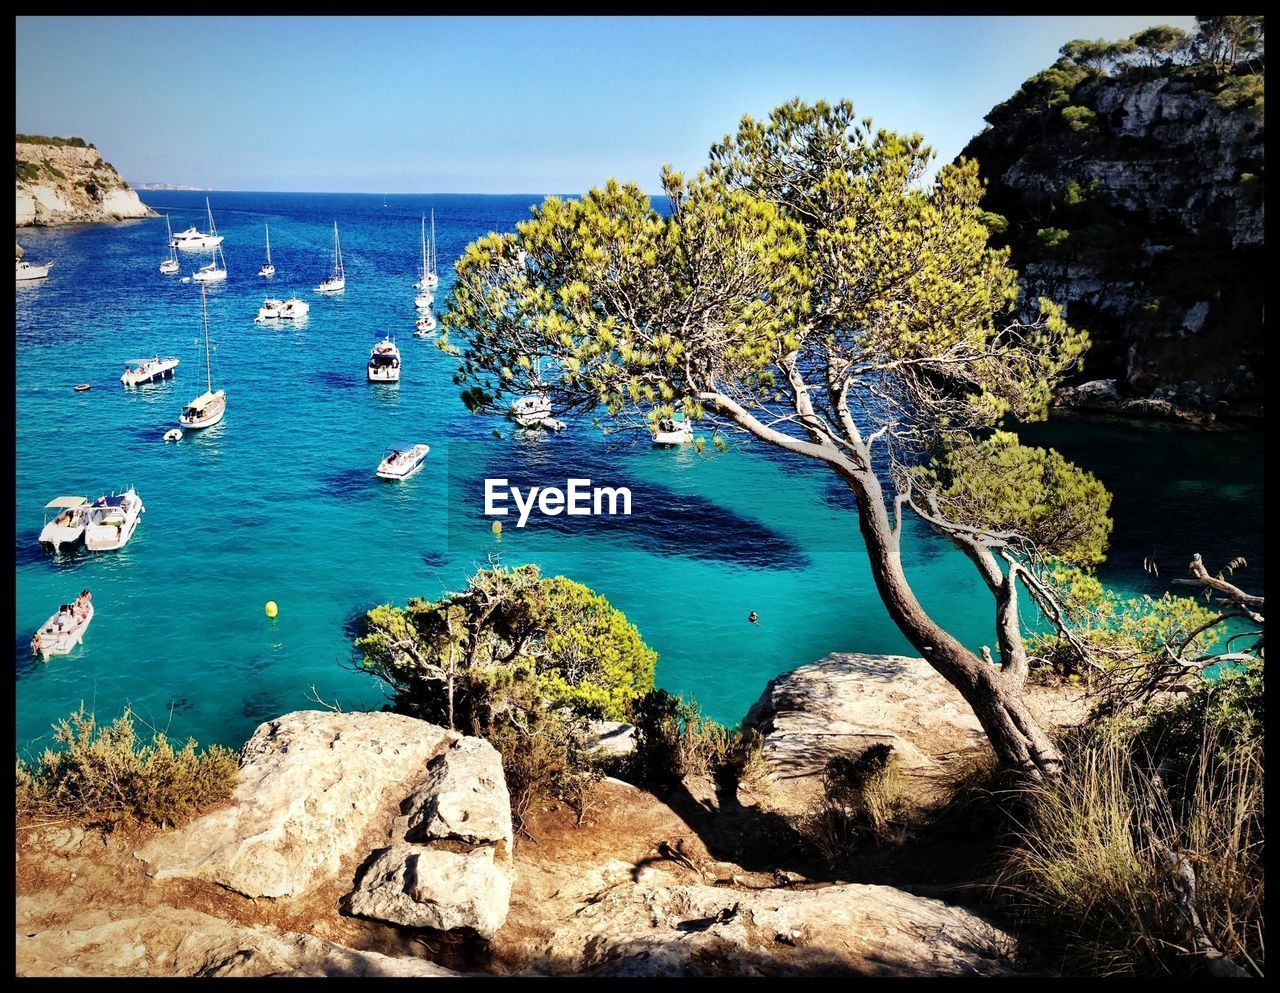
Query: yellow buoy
{"points": [[272, 609]]}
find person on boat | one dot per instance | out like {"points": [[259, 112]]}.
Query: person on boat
{"points": [[36, 644], [753, 617]]}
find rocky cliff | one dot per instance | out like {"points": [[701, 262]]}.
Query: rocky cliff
{"points": [[66, 181], [1134, 196]]}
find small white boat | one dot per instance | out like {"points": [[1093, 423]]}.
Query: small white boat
{"points": [[27, 271], [140, 371], [207, 409], [294, 309], [424, 300], [384, 362], [192, 240], [338, 281], [268, 270], [112, 521], [64, 630], [402, 461], [211, 273], [173, 434], [169, 266], [270, 309], [529, 411], [430, 279], [67, 525], [675, 430], [425, 326], [551, 424]]}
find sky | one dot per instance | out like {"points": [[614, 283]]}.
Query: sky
{"points": [[498, 104]]}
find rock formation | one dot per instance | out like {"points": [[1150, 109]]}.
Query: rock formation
{"points": [[65, 181], [1135, 198]]}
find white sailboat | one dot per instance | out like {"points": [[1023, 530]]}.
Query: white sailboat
{"points": [[430, 277], [425, 297], [207, 409], [268, 270], [192, 240], [338, 281], [212, 273], [169, 267]]}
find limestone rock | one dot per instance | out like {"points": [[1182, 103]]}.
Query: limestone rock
{"points": [[464, 797], [171, 942], [434, 888], [613, 738], [312, 785], [847, 702], [60, 183], [846, 929]]}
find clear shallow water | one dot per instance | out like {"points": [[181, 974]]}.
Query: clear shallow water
{"points": [[280, 501]]}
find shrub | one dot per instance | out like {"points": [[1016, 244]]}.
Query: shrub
{"points": [[107, 770], [862, 800], [675, 740], [27, 172]]}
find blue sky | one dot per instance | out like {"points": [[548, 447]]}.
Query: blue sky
{"points": [[498, 104]]}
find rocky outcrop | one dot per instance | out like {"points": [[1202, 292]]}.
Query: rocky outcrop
{"points": [[846, 702], [172, 942], [65, 181], [654, 928], [450, 864], [425, 809], [1136, 200]]}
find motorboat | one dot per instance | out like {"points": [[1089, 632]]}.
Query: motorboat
{"points": [[384, 362], [675, 430], [268, 269], [425, 326], [139, 371], [66, 527], [112, 521], [270, 309], [402, 461], [294, 309], [193, 240], [551, 424], [207, 409], [338, 280], [64, 630], [27, 271], [529, 411], [169, 267]]}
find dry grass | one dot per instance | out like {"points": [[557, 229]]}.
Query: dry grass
{"points": [[862, 801]]}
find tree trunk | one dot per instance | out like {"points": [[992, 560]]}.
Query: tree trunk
{"points": [[997, 701]]}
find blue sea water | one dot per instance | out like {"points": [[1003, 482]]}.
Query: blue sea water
{"points": [[279, 502]]}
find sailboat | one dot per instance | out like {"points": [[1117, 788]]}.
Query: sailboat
{"points": [[268, 270], [338, 281], [425, 297], [211, 273], [430, 278], [207, 409], [169, 266]]}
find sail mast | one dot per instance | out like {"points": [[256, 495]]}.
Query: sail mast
{"points": [[204, 306], [433, 240], [268, 227]]}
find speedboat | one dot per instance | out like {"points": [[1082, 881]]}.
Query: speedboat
{"points": [[27, 271], [270, 309], [294, 309], [193, 240], [530, 411], [151, 370], [426, 324], [64, 630], [384, 362], [67, 526], [112, 521], [677, 430], [402, 461]]}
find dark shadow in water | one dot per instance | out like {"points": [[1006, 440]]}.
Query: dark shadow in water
{"points": [[435, 560], [261, 706], [354, 624], [334, 380], [348, 483]]}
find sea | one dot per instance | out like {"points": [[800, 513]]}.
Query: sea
{"points": [[279, 502]]}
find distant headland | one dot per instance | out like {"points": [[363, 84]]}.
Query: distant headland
{"points": [[66, 181]]}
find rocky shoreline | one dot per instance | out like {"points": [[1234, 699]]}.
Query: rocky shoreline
{"points": [[65, 181], [1186, 405]]}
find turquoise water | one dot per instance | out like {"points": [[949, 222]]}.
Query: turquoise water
{"points": [[279, 502]]}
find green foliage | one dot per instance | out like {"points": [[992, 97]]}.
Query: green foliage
{"points": [[1052, 237], [1158, 44], [1082, 120], [53, 170], [998, 485], [27, 172], [1099, 55], [107, 770], [674, 740], [509, 625], [39, 139]]}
